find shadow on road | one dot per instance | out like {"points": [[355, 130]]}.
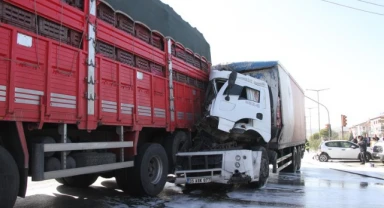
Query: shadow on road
{"points": [[56, 201]]}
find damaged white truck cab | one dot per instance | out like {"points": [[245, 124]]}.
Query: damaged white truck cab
{"points": [[254, 116], [242, 107]]}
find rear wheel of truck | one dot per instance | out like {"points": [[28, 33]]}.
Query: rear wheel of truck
{"points": [[9, 179], [177, 142], [264, 168], [80, 181], [149, 174], [71, 163]]}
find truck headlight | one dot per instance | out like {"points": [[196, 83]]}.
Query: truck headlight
{"points": [[238, 158]]}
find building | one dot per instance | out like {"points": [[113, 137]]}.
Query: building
{"points": [[372, 127]]}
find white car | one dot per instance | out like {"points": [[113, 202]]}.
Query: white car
{"points": [[341, 150], [378, 152]]}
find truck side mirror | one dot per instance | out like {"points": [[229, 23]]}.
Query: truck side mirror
{"points": [[231, 82]]}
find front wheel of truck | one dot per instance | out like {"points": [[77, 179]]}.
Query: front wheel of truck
{"points": [[264, 168], [9, 179], [149, 174]]}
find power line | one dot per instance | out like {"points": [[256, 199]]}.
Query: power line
{"points": [[371, 3], [352, 7]]}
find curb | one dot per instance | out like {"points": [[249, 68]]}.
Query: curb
{"points": [[361, 174]]}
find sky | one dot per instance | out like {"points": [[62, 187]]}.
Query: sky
{"points": [[321, 44]]}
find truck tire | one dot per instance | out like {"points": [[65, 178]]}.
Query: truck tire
{"points": [[84, 159], [71, 163], [107, 175], [177, 142], [292, 168], [52, 164], [9, 179], [149, 175], [80, 181], [43, 140], [264, 168], [58, 140]]}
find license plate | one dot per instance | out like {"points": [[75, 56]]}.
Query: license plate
{"points": [[198, 180]]}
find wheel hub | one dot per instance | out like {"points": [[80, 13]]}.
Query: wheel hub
{"points": [[322, 158], [155, 169]]}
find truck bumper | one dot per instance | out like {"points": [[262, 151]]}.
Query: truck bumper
{"points": [[226, 167]]}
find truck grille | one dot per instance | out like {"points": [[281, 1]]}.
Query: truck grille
{"points": [[377, 149], [199, 162]]}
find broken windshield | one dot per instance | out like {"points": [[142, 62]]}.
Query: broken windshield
{"points": [[213, 88]]}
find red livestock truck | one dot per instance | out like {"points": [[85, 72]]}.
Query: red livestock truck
{"points": [[87, 91]]}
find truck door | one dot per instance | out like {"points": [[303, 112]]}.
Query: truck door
{"points": [[246, 103]]}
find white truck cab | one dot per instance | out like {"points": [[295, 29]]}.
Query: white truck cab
{"points": [[242, 106], [253, 117]]}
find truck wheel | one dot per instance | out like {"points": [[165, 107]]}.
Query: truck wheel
{"points": [[71, 163], [80, 181], [177, 142], [107, 175], [84, 159], [58, 140], [292, 168], [149, 175], [52, 164], [264, 168], [9, 179], [43, 140]]}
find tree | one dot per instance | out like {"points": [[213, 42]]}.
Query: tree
{"points": [[324, 135], [316, 139]]}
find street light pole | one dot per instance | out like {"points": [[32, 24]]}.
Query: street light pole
{"points": [[329, 121], [318, 105], [310, 121]]}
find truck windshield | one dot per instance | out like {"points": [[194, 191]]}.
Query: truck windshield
{"points": [[236, 90], [213, 88]]}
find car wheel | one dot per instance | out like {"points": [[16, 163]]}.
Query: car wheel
{"points": [[323, 157]]}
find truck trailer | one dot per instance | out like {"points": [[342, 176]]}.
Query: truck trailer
{"points": [[254, 116], [86, 90]]}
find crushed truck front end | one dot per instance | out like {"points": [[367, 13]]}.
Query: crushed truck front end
{"points": [[225, 167]]}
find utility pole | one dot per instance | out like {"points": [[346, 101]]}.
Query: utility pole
{"points": [[310, 121], [329, 121], [318, 105]]}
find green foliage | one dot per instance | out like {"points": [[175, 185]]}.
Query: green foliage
{"points": [[347, 136], [314, 143], [315, 140]]}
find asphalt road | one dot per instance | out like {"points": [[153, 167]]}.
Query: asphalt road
{"points": [[313, 187]]}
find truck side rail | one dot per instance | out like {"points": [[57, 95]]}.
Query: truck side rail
{"points": [[38, 173]]}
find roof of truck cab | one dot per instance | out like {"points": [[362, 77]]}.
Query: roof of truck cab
{"points": [[246, 66], [252, 65]]}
